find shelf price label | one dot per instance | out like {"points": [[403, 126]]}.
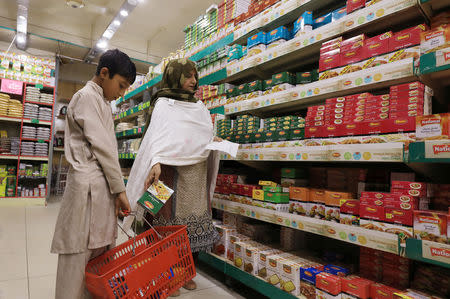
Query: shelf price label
{"points": [[140, 130], [41, 141], [34, 121], [39, 86], [134, 131]]}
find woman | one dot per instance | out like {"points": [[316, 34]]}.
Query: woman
{"points": [[173, 150]]}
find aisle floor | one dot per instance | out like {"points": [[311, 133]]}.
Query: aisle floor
{"points": [[28, 269]]}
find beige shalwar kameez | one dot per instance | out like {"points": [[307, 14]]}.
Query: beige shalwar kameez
{"points": [[87, 224]]}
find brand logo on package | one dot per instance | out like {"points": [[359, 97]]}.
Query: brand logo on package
{"points": [[447, 56], [11, 86], [439, 149], [440, 252], [431, 121]]}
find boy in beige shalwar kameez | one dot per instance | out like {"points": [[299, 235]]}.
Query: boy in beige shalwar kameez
{"points": [[95, 190]]}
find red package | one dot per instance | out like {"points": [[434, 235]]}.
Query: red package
{"points": [[381, 291], [407, 86], [414, 193], [235, 189], [376, 117], [410, 100], [352, 129], [376, 195], [372, 201], [407, 107], [316, 108], [311, 132], [352, 56], [378, 104], [329, 283], [407, 93], [353, 5], [335, 100], [409, 185], [329, 60], [218, 189], [356, 286], [371, 212], [377, 45], [334, 41], [413, 205], [353, 43], [399, 216], [376, 127], [405, 114], [377, 110], [359, 96], [406, 38], [226, 189], [406, 124]]}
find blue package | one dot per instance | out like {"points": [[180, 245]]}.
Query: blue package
{"points": [[338, 13], [323, 20], [336, 270], [259, 38], [235, 52], [276, 34], [309, 274], [305, 19]]}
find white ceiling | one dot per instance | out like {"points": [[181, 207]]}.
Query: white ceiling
{"points": [[151, 31]]}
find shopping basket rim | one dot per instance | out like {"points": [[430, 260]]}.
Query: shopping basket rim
{"points": [[177, 229]]}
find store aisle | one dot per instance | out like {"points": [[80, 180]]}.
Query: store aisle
{"points": [[28, 269]]}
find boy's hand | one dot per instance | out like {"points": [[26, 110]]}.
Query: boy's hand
{"points": [[122, 204], [153, 176]]}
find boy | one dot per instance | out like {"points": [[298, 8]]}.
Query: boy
{"points": [[95, 191]]}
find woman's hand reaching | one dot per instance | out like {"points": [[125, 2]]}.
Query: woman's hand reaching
{"points": [[217, 139], [153, 176]]}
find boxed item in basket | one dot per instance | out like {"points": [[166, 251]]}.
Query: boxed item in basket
{"points": [[430, 226]]}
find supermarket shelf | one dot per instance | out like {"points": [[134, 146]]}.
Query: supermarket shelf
{"points": [[39, 103], [11, 119], [305, 50], [33, 158], [127, 156], [306, 95], [243, 277], [428, 252], [359, 153], [8, 157], [431, 7], [139, 90], [288, 17], [22, 201], [214, 47], [347, 233], [213, 78], [58, 149], [435, 76], [131, 132], [133, 112], [37, 121]]}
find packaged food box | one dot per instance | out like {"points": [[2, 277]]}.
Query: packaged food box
{"points": [[338, 13], [400, 216], [323, 20], [356, 286], [255, 86], [284, 77], [329, 283], [239, 252], [411, 205], [408, 93], [259, 38], [221, 246], [267, 183], [435, 126], [309, 274], [353, 5], [290, 276], [251, 258], [377, 45], [307, 77], [372, 201], [407, 86], [258, 194], [292, 173], [267, 85], [276, 34], [336, 270], [303, 22], [316, 210], [372, 212], [430, 226], [409, 185], [334, 198], [435, 39], [351, 56], [232, 239], [376, 195], [381, 291], [330, 60], [278, 197], [332, 213], [414, 193], [272, 189], [407, 38], [301, 208], [263, 260], [155, 197], [317, 195], [313, 132], [272, 267]]}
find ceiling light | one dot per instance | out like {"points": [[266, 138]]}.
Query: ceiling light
{"points": [[108, 34], [123, 13], [20, 39], [22, 18], [132, 2], [116, 22], [102, 44], [141, 1]]}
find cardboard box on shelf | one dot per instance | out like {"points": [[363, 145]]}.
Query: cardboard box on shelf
{"points": [[330, 284], [356, 286], [430, 226], [381, 291], [435, 39], [408, 37], [435, 126], [372, 212], [330, 60], [377, 45], [400, 216], [221, 246], [353, 5]]}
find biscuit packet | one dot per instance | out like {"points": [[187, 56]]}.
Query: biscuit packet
{"points": [[155, 197]]}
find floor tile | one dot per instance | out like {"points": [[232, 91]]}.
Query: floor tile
{"points": [[13, 265], [12, 230], [42, 287], [14, 289], [214, 292], [42, 264]]}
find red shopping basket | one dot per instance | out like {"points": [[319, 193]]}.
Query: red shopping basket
{"points": [[145, 267]]}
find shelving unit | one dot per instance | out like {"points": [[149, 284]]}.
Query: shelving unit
{"points": [[15, 125]]}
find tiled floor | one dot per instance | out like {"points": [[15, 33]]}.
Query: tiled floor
{"points": [[28, 269]]}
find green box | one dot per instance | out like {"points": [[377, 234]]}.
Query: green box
{"points": [[297, 134], [242, 89], [307, 77], [153, 200], [269, 136], [267, 84], [231, 92], [292, 173], [249, 138], [283, 127], [255, 86], [282, 135], [239, 138], [276, 197], [259, 137], [277, 189], [297, 126], [284, 77]]}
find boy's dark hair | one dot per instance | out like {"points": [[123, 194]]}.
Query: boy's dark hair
{"points": [[119, 63]]}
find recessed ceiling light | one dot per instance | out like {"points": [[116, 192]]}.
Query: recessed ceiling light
{"points": [[108, 33], [123, 13], [20, 39], [116, 22], [102, 44], [22, 18]]}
